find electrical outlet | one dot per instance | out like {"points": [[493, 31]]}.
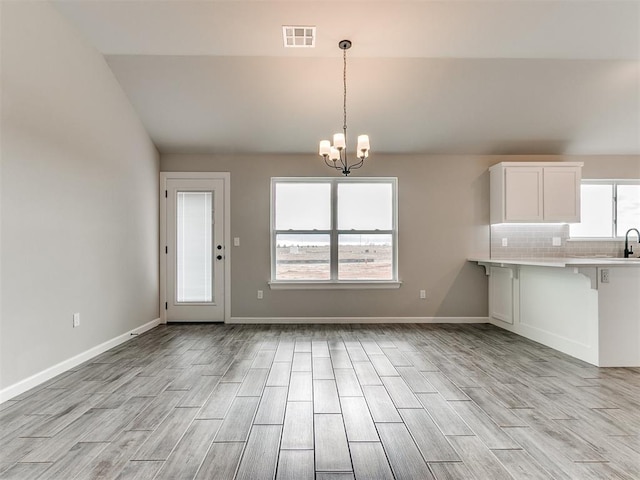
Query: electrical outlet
{"points": [[236, 241], [76, 320], [423, 294], [260, 294], [505, 242], [556, 241], [604, 275]]}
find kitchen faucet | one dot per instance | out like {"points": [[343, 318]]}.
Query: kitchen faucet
{"points": [[628, 251]]}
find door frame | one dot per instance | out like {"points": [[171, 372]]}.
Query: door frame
{"points": [[226, 178]]}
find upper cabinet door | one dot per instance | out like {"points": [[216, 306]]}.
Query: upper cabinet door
{"points": [[562, 194], [523, 194]]}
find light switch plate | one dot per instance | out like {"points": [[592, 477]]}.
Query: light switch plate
{"points": [[556, 241]]}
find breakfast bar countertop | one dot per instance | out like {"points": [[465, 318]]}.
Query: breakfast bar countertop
{"points": [[560, 262]]}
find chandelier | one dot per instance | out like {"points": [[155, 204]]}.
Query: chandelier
{"points": [[335, 156]]}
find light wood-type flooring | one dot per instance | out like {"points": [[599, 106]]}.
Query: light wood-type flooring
{"points": [[330, 402]]}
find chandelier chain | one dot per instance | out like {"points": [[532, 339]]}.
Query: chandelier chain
{"points": [[344, 90]]}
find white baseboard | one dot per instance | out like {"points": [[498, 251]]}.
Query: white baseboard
{"points": [[41, 377], [343, 320]]}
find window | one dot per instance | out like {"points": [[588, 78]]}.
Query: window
{"points": [[608, 209], [333, 230]]}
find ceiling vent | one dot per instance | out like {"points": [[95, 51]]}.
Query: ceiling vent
{"points": [[299, 36]]}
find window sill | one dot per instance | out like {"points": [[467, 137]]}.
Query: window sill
{"points": [[345, 285]]}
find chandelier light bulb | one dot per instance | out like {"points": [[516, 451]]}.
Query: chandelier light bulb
{"points": [[325, 147]]}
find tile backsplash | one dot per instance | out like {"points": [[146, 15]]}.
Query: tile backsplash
{"points": [[536, 241]]}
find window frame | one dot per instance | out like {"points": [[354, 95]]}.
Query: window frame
{"points": [[614, 205], [334, 233]]}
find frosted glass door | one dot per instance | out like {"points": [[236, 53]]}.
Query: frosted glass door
{"points": [[194, 252], [194, 247]]}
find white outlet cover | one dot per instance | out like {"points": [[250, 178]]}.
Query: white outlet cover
{"points": [[556, 241], [505, 242], [236, 241]]}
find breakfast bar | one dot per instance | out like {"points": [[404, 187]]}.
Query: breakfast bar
{"points": [[588, 308]]}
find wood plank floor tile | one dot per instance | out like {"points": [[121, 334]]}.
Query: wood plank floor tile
{"points": [[322, 368], [237, 371], [445, 387], [263, 359], [366, 373], [449, 422], [380, 404], [319, 348], [301, 387], [221, 461], [400, 393], [24, 471], [369, 461], [325, 397], [253, 382], [75, 460], [296, 465], [219, 401], [298, 426], [451, 471], [371, 347], [334, 476], [237, 422], [279, 374], [356, 352], [332, 451], [161, 441], [491, 405], [403, 454], [383, 366], [396, 357], [357, 420], [156, 411], [284, 352], [491, 434], [198, 395], [301, 362], [521, 465], [272, 406], [347, 383], [430, 441], [416, 381], [260, 456], [115, 456], [340, 359], [476, 455]]}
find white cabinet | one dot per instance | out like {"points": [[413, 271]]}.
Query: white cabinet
{"points": [[535, 192]]}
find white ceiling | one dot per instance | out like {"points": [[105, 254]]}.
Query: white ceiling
{"points": [[504, 77]]}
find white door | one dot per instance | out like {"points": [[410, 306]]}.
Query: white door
{"points": [[194, 250]]}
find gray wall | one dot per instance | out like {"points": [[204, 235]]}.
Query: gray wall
{"points": [[78, 194], [443, 217]]}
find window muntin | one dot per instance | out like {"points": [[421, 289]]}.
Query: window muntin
{"points": [[608, 209], [359, 242]]}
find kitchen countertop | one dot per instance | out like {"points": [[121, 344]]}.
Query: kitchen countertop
{"points": [[561, 262]]}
